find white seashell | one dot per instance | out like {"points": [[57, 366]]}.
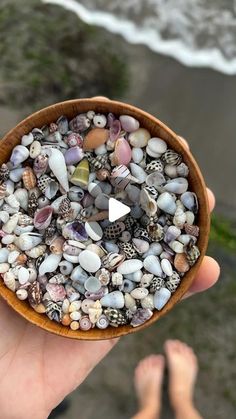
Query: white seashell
{"points": [[135, 276], [185, 239], [147, 203], [4, 216], [27, 241], [155, 249], [92, 284], [27, 139], [23, 275], [130, 266], [50, 264], [4, 253], [35, 149], [10, 225], [78, 274], [96, 249], [141, 246], [22, 197], [179, 218], [22, 294], [86, 304], [145, 280], [155, 179], [139, 293], [111, 247], [56, 203], [133, 193], [176, 246], [4, 267], [113, 299], [74, 306], [148, 302], [76, 208], [89, 261], [151, 153], [19, 154], [10, 281], [66, 267], [166, 203], [172, 233], [9, 209], [100, 150], [23, 229], [130, 302], [178, 185], [12, 201], [94, 189], [66, 305], [161, 297], [139, 138], [32, 274], [8, 239], [166, 267], [137, 155], [13, 256], [157, 145], [57, 165], [10, 187], [16, 174], [171, 171], [138, 172], [71, 258], [94, 230], [75, 315], [116, 279], [190, 217], [152, 264]]}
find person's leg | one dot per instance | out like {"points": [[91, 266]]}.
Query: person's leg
{"points": [[183, 368], [148, 384]]}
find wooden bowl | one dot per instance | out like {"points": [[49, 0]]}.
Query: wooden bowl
{"points": [[157, 129]]}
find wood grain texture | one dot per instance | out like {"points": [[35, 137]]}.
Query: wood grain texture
{"points": [[196, 184]]}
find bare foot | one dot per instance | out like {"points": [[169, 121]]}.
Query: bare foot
{"points": [[183, 368], [148, 382]]}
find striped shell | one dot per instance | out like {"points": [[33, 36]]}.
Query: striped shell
{"points": [[29, 178], [171, 157]]}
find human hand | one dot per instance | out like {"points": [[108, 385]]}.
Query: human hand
{"points": [[39, 369]]}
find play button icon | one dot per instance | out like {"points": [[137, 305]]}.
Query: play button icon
{"points": [[117, 210]]}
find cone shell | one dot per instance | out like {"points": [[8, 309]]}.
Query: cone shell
{"points": [[80, 176], [95, 138]]}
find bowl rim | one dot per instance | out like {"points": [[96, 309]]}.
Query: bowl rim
{"points": [[100, 103]]}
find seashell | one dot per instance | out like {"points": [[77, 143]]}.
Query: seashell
{"points": [[176, 246], [112, 260], [155, 249], [127, 286], [171, 171], [178, 185], [9, 209], [71, 258], [22, 197], [80, 176], [4, 267], [27, 139], [89, 261], [86, 305], [151, 190], [92, 284], [122, 153], [65, 210], [147, 203], [54, 311], [85, 323], [22, 294], [73, 155], [50, 264], [130, 266], [139, 293], [137, 171], [155, 232], [193, 254], [152, 264], [102, 174], [56, 246], [98, 162], [173, 282], [193, 230], [128, 250], [38, 134], [4, 173], [166, 203], [115, 129], [9, 280], [137, 155], [116, 317], [94, 189], [78, 274], [42, 218], [11, 224], [161, 297], [19, 154], [95, 312], [166, 267], [80, 123], [94, 230], [99, 216], [157, 145], [100, 150], [190, 217], [3, 190], [25, 219], [4, 253], [125, 236], [141, 246], [103, 276], [35, 149], [120, 177], [13, 256], [56, 292], [74, 306], [96, 249], [111, 247], [75, 231], [155, 179], [151, 153], [62, 125], [23, 275], [48, 186], [16, 174], [21, 259], [76, 194], [139, 138], [113, 299], [128, 123], [172, 233], [74, 325], [34, 293], [70, 249], [135, 276], [114, 230], [171, 157], [141, 316], [95, 138], [155, 166], [8, 239], [75, 315], [12, 201], [182, 170], [10, 187], [99, 121], [148, 302], [185, 239], [102, 322], [57, 165], [181, 263], [32, 204], [74, 139], [130, 302], [40, 165], [179, 218], [190, 201], [66, 267], [141, 233]]}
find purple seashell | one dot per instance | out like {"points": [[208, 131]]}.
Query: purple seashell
{"points": [[42, 218], [80, 123], [40, 165], [129, 123], [88, 200], [167, 249], [73, 155], [95, 295], [141, 316], [110, 119], [19, 154], [115, 130], [75, 231], [56, 292], [74, 139]]}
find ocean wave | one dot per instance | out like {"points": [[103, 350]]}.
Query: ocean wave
{"points": [[194, 39]]}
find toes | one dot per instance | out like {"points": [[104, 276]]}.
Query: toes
{"points": [[149, 363]]}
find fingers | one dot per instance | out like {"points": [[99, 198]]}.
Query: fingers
{"points": [[206, 277]]}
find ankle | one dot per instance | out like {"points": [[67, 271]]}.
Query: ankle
{"points": [[148, 412], [183, 408]]}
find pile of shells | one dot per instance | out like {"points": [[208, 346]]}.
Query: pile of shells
{"points": [[59, 251]]}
